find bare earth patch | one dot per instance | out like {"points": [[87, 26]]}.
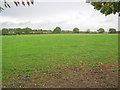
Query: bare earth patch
{"points": [[77, 77], [84, 76]]}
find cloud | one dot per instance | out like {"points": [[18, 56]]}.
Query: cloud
{"points": [[65, 15]]}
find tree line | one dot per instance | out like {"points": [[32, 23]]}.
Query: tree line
{"points": [[57, 30]]}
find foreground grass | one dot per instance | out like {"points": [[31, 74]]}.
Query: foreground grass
{"points": [[35, 56]]}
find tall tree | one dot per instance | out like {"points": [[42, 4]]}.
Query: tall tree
{"points": [[57, 30], [27, 30], [76, 30], [4, 31], [112, 30], [101, 30]]}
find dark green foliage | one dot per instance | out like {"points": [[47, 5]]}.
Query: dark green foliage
{"points": [[101, 30], [18, 31], [75, 30], [14, 31], [112, 30], [98, 6], [57, 30], [118, 32], [107, 7], [4, 31], [27, 30]]}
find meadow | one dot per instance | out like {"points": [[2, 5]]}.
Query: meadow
{"points": [[33, 58]]}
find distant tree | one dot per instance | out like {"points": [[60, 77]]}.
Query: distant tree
{"points": [[101, 30], [81, 32], [11, 32], [75, 30], [18, 31], [27, 30], [4, 31], [88, 31], [49, 31], [118, 32], [57, 30], [112, 30], [40, 31], [66, 32], [33, 32]]}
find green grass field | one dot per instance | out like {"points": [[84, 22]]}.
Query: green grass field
{"points": [[33, 55]]}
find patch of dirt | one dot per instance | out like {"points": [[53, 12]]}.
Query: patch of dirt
{"points": [[83, 76], [78, 77]]}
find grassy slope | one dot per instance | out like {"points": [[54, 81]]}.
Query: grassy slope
{"points": [[27, 53]]}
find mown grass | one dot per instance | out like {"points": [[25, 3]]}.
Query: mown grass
{"points": [[34, 55]]}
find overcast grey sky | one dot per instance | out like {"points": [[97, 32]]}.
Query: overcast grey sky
{"points": [[48, 15]]}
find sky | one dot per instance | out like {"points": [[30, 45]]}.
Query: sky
{"points": [[48, 15]]}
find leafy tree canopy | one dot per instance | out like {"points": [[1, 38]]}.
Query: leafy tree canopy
{"points": [[101, 30], [112, 30], [4, 31], [107, 7], [57, 30], [76, 30]]}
